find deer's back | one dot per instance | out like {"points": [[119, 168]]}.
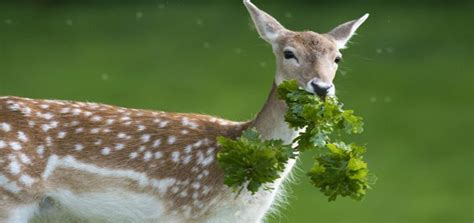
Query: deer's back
{"points": [[47, 146]]}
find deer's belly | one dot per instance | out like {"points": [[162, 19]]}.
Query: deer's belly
{"points": [[114, 205]]}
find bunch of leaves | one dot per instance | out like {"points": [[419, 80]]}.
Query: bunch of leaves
{"points": [[339, 170], [320, 118], [251, 162]]}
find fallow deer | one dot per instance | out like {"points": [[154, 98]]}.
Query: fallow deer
{"points": [[128, 165]]}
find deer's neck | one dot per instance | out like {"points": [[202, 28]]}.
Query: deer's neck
{"points": [[270, 121]]}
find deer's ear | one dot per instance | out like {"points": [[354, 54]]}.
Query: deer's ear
{"points": [[267, 26], [343, 33]]}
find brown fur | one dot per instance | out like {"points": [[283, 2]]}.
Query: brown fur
{"points": [[205, 130]]}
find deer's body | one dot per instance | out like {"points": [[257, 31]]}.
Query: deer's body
{"points": [[127, 165], [101, 161]]}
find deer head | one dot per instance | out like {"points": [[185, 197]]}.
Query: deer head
{"points": [[308, 57]]}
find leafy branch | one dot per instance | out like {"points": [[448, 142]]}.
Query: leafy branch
{"points": [[339, 170]]}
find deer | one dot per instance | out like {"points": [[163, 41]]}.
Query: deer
{"points": [[118, 164]]}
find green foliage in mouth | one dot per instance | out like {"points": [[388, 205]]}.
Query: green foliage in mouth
{"points": [[251, 163]]}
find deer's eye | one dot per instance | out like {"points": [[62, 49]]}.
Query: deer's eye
{"points": [[289, 55], [337, 60]]}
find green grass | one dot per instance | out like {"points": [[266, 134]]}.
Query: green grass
{"points": [[409, 72]]}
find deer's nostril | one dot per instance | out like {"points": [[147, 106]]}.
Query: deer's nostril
{"points": [[320, 90]]}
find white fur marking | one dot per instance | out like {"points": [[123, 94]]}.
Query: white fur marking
{"points": [[147, 156], [158, 155], [105, 151], [26, 180], [5, 127], [15, 145], [171, 140], [157, 143], [175, 156], [61, 135], [14, 167], [145, 138], [2, 144], [22, 137]]}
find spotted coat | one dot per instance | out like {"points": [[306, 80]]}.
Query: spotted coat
{"points": [[46, 144]]}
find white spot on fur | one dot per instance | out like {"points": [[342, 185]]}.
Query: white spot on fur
{"points": [[46, 116], [158, 155], [147, 156], [78, 147], [121, 135], [163, 124], [157, 143], [25, 159], [119, 146], [183, 194], [188, 148], [49, 141], [141, 128], [40, 150], [145, 138], [65, 110], [174, 189], [110, 121], [98, 142], [175, 156], [207, 160], [198, 144], [44, 106], [2, 144], [186, 122], [105, 151], [187, 159], [76, 111], [171, 140], [133, 155], [96, 118], [5, 127], [26, 180], [196, 185], [14, 167], [61, 135], [15, 145]]}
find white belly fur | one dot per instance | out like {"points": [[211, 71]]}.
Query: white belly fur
{"points": [[117, 205]]}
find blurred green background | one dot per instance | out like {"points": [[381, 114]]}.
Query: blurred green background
{"points": [[409, 72]]}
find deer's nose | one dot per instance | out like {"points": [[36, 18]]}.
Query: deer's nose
{"points": [[319, 89]]}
